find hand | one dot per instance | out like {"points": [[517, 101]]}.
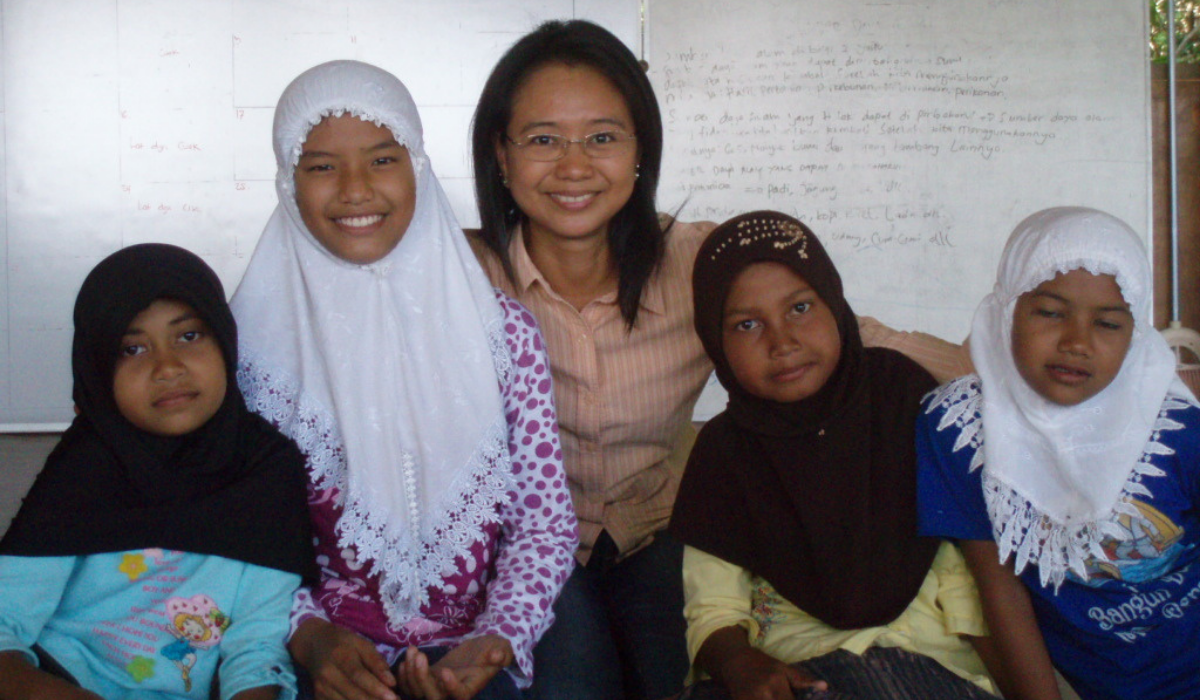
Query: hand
{"points": [[263, 692], [343, 665], [23, 680], [750, 674], [460, 674]]}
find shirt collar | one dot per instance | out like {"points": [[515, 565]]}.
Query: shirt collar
{"points": [[528, 274]]}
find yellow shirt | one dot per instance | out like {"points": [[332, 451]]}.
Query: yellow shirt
{"points": [[720, 594]]}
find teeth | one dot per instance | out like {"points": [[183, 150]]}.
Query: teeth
{"points": [[572, 200], [360, 221]]}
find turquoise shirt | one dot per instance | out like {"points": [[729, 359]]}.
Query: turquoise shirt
{"points": [[152, 623]]}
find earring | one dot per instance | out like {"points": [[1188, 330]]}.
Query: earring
{"points": [[504, 179], [637, 171]]}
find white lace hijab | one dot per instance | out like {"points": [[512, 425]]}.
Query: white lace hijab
{"points": [[1056, 477], [386, 374]]}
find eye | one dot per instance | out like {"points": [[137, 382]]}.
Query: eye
{"points": [[543, 140], [802, 307], [1047, 313], [1109, 325], [384, 160], [131, 350], [318, 168], [744, 325], [604, 138], [191, 336]]}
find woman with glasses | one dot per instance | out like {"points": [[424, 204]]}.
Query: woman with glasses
{"points": [[567, 143]]}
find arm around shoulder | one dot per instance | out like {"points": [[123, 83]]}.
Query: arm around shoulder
{"points": [[941, 358]]}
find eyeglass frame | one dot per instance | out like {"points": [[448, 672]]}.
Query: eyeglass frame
{"points": [[623, 137]]}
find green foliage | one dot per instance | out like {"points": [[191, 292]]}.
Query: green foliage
{"points": [[1187, 31]]}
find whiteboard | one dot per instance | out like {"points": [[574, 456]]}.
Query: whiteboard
{"points": [[149, 120], [910, 136], [128, 121]]}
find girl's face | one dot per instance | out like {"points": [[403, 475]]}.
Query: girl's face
{"points": [[193, 629], [577, 195], [355, 188], [170, 373], [1070, 336], [780, 339]]}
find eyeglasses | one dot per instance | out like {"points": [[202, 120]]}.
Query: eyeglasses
{"points": [[550, 147]]}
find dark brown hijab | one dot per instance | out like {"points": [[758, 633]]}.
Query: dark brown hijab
{"points": [[818, 497]]}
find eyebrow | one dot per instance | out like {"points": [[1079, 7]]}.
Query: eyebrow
{"points": [[1064, 300], [610, 121], [381, 146], [791, 299], [182, 318]]}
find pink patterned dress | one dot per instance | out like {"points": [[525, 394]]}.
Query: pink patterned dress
{"points": [[508, 583]]}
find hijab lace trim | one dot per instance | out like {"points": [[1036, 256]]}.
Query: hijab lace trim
{"points": [[407, 567], [1019, 528]]}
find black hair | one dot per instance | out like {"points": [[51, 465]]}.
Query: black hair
{"points": [[636, 239]]}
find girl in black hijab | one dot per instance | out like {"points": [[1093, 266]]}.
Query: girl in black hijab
{"points": [[798, 506], [165, 535]]}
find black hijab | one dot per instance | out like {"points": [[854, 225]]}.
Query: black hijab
{"points": [[234, 487], [818, 496]]}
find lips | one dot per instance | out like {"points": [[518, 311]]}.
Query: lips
{"points": [[791, 374], [173, 399], [1068, 374], [573, 201], [361, 222]]}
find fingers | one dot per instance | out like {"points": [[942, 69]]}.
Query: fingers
{"points": [[416, 677], [800, 679], [351, 669], [465, 683]]}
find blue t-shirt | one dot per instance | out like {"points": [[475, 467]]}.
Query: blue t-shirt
{"points": [[1132, 630], [151, 623]]}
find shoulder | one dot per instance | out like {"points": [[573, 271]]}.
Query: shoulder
{"points": [[684, 238], [896, 371], [527, 368], [1177, 428], [488, 260], [951, 419], [519, 321]]}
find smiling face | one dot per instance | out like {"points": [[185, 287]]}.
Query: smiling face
{"points": [[577, 195], [1070, 336], [355, 188], [780, 339], [170, 374]]}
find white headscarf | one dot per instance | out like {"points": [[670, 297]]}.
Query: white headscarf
{"points": [[386, 374], [1056, 477]]}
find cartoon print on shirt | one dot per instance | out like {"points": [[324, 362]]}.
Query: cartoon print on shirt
{"points": [[1147, 552], [197, 624]]}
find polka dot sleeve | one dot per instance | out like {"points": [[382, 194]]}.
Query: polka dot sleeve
{"points": [[539, 532]]}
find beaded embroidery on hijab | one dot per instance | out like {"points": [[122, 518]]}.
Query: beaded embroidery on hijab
{"points": [[817, 496]]}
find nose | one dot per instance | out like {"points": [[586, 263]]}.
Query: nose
{"points": [[168, 366], [781, 341], [1076, 338], [575, 164], [354, 186]]}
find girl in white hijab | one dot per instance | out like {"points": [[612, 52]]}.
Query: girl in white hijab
{"points": [[419, 394], [1071, 463]]}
